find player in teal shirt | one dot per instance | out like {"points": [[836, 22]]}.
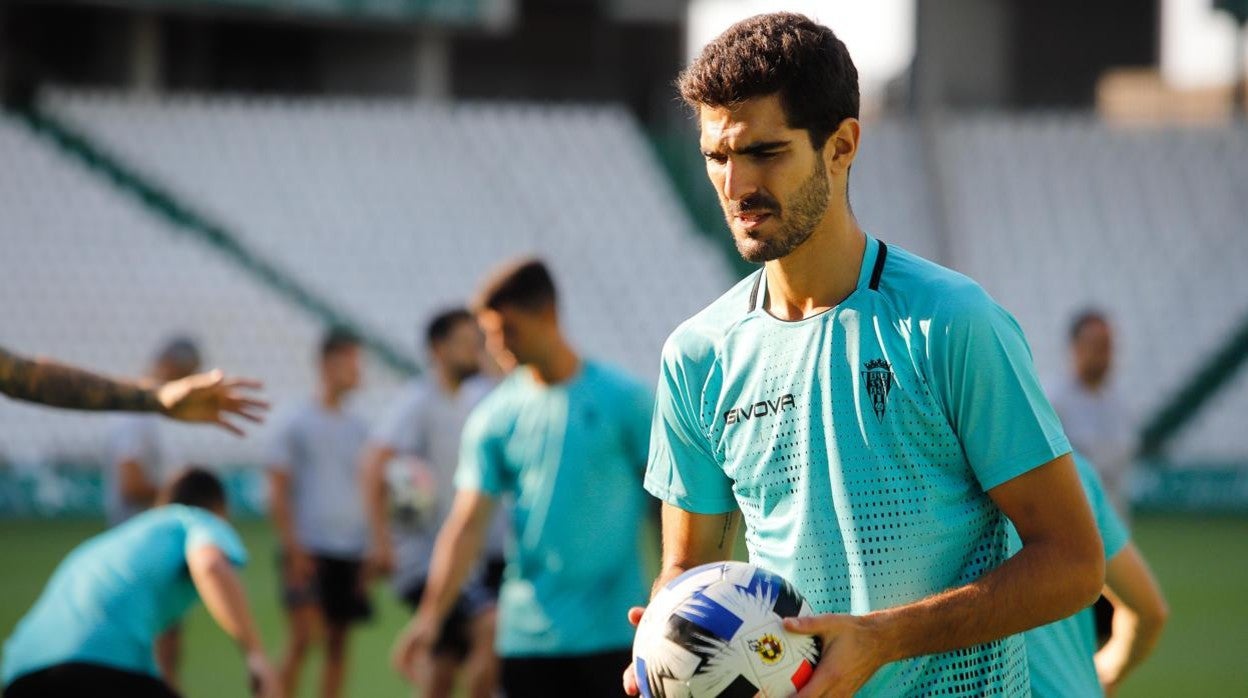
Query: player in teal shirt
{"points": [[874, 417], [567, 438], [1060, 655], [92, 630]]}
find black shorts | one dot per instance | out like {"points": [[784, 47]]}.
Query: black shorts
{"points": [[492, 575], [598, 675], [77, 679], [337, 586], [455, 639]]}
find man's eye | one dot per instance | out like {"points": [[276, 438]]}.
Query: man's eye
{"points": [[715, 157], [768, 155]]}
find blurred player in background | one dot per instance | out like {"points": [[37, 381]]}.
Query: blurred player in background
{"points": [[1062, 657], [567, 437], [206, 398], [313, 478], [1092, 412], [875, 417], [140, 458], [408, 498], [140, 454], [91, 632]]}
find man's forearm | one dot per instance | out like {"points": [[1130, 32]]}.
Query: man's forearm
{"points": [[454, 553], [58, 385], [376, 498], [1039, 585], [224, 597]]}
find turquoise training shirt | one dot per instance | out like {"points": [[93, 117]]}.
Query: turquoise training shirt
{"points": [[114, 594], [859, 445], [572, 455], [1060, 654]]}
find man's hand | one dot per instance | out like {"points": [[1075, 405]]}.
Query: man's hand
{"points": [[299, 566], [852, 653], [209, 398], [380, 560], [414, 645], [262, 680], [630, 674]]}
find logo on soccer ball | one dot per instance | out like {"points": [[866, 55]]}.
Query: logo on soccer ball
{"points": [[768, 648], [877, 376]]}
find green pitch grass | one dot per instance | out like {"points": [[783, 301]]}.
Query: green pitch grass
{"points": [[1202, 563]]}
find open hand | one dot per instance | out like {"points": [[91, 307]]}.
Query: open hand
{"points": [[209, 398], [413, 646]]}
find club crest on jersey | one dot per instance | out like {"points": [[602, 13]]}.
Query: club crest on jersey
{"points": [[768, 648], [877, 376]]}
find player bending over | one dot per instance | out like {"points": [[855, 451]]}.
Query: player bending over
{"points": [[92, 630]]}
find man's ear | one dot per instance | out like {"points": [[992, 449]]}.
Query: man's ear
{"points": [[842, 146]]}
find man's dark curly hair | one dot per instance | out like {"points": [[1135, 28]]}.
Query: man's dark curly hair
{"points": [[778, 53]]}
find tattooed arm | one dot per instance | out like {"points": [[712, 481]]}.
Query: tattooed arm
{"points": [[205, 397], [58, 385]]}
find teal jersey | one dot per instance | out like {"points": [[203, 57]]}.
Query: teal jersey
{"points": [[113, 595], [572, 455], [1060, 654], [859, 445]]}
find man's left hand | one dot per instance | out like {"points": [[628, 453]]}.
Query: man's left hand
{"points": [[852, 653]]}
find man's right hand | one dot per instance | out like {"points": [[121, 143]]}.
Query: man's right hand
{"points": [[381, 559], [262, 678], [630, 675], [300, 568]]}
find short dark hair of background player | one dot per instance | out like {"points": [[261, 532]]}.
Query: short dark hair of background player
{"points": [[525, 284]]}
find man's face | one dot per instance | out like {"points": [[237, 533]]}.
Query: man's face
{"points": [[1093, 352], [515, 335], [460, 351], [772, 184], [342, 369]]}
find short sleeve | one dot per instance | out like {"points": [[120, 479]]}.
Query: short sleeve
{"points": [[1114, 533], [282, 450], [985, 379], [400, 430], [481, 464], [682, 469], [205, 528]]}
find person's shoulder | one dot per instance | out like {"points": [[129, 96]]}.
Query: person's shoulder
{"points": [[498, 406], [697, 339], [614, 378], [921, 287]]}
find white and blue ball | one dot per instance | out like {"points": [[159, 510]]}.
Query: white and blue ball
{"points": [[716, 632]]}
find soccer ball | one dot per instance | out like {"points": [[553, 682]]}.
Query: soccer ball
{"points": [[715, 632]]}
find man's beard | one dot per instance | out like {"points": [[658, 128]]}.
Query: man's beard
{"points": [[796, 222]]}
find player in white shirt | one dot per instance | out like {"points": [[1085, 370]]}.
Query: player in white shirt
{"points": [[408, 471]]}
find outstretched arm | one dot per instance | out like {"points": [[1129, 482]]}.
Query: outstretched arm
{"points": [[206, 397], [1140, 613], [458, 545], [59, 385], [224, 597]]}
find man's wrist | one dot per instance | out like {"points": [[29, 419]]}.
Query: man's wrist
{"points": [[882, 632]]}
